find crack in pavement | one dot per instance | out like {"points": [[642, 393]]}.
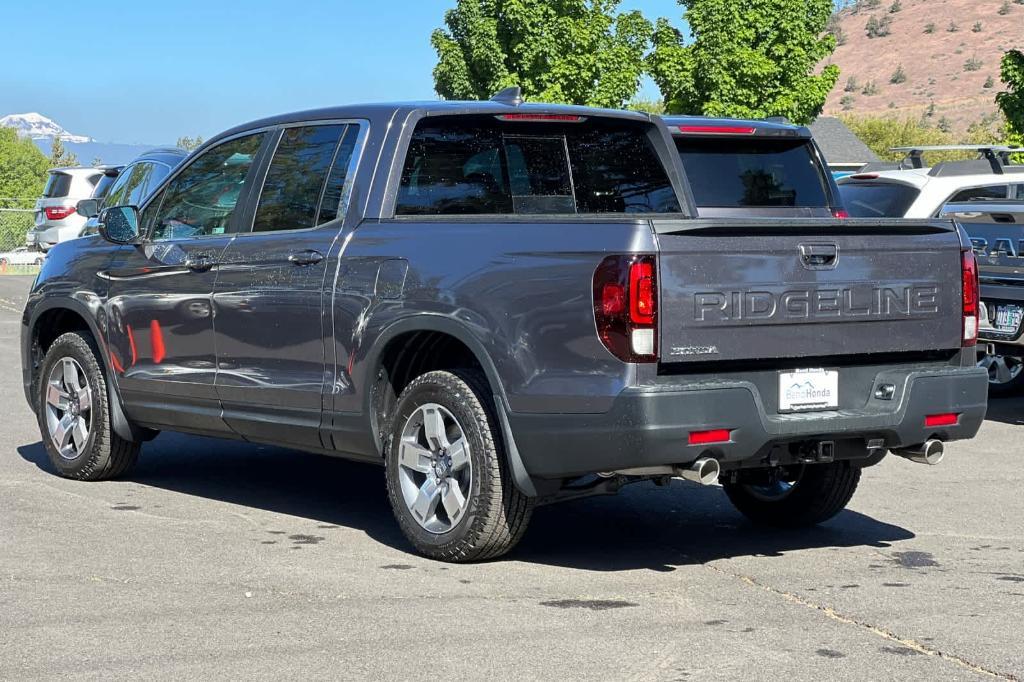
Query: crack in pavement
{"points": [[873, 629]]}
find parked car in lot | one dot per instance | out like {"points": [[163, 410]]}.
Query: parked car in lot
{"points": [[996, 230], [56, 217], [21, 256], [131, 185], [506, 305], [916, 190]]}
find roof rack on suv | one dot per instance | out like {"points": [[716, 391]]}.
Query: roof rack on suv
{"points": [[991, 159]]}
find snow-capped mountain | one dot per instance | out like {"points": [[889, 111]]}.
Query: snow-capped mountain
{"points": [[42, 131], [37, 127]]}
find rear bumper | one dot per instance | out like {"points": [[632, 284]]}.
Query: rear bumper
{"points": [[648, 427]]}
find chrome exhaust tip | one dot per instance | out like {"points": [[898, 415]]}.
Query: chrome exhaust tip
{"points": [[930, 452], [704, 471]]}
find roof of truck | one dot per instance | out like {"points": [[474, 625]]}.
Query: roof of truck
{"points": [[427, 108]]}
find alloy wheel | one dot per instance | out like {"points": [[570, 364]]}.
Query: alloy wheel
{"points": [[1002, 369], [434, 468], [68, 408]]}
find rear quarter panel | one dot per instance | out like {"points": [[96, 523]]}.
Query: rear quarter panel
{"points": [[520, 292]]}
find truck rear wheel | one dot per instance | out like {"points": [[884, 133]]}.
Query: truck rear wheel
{"points": [[448, 482], [802, 495]]}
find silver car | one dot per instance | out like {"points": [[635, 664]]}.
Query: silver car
{"points": [[56, 217]]}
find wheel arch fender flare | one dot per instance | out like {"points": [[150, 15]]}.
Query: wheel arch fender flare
{"points": [[446, 325], [119, 421]]}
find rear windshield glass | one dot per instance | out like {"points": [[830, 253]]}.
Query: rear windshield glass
{"points": [[480, 165], [877, 199], [727, 173], [58, 185]]}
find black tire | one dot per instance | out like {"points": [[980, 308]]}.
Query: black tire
{"points": [[819, 492], [1003, 389], [105, 455], [497, 513]]}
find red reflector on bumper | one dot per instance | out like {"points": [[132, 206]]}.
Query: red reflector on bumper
{"points": [[706, 437], [941, 419]]}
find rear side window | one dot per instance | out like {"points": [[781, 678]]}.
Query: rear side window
{"points": [[990, 193], [296, 178], [57, 185], [877, 199], [479, 165], [752, 172]]}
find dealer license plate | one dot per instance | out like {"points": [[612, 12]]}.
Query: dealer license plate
{"points": [[1008, 318], [808, 389]]}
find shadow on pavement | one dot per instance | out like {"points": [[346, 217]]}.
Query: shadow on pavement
{"points": [[643, 527], [1006, 410]]}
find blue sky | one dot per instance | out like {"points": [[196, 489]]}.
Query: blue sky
{"points": [[150, 71]]}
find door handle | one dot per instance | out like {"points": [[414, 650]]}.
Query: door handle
{"points": [[307, 257], [1003, 218], [819, 256], [199, 263]]}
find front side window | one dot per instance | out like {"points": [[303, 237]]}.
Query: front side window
{"points": [[295, 180], [481, 165], [201, 200], [130, 187]]}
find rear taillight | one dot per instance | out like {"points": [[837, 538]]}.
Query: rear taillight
{"points": [[969, 269], [840, 213], [626, 307], [58, 212]]}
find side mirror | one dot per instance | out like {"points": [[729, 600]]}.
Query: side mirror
{"points": [[87, 208], [120, 224]]}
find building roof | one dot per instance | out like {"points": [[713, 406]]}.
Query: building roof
{"points": [[838, 143]]}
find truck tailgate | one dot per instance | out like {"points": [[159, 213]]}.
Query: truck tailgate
{"points": [[763, 289]]}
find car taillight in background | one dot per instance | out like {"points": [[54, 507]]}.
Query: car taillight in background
{"points": [[58, 212], [840, 213], [626, 307], [969, 269]]}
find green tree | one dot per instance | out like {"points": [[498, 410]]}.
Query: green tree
{"points": [[566, 51], [648, 106], [1011, 100], [60, 157], [748, 58], [22, 178], [189, 144]]}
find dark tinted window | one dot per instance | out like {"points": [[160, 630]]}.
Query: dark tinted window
{"points": [[877, 199], [57, 185], [202, 198], [291, 192], [339, 186], [1018, 192], [156, 176], [479, 165], [745, 172], [103, 186], [980, 194], [130, 187]]}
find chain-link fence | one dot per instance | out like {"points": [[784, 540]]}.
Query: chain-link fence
{"points": [[17, 217]]}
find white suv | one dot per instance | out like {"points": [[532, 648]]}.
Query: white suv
{"points": [[920, 192], [56, 217]]}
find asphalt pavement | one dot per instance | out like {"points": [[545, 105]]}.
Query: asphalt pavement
{"points": [[216, 559]]}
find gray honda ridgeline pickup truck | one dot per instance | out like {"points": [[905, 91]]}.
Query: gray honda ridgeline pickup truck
{"points": [[507, 305]]}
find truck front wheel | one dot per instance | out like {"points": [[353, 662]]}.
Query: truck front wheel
{"points": [[796, 496]]}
